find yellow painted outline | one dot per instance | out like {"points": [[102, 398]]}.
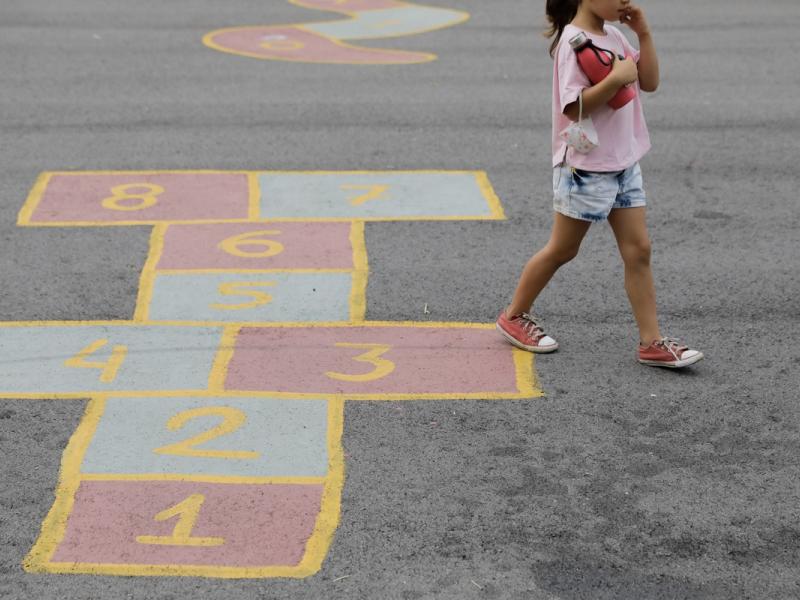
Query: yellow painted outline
{"points": [[527, 383], [496, 212], [201, 478], [34, 198], [236, 270], [424, 57], [153, 172], [266, 221], [465, 16], [54, 526], [148, 275], [376, 219], [254, 199], [219, 369], [129, 223], [518, 395], [490, 195], [358, 291], [37, 193], [357, 298], [328, 520], [209, 324], [354, 14]]}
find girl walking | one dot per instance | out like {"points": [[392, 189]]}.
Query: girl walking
{"points": [[597, 183]]}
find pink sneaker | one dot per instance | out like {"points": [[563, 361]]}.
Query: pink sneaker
{"points": [[668, 352], [524, 332]]}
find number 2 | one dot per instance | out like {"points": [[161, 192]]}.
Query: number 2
{"points": [[232, 419]]}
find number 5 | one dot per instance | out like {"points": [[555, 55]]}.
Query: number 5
{"points": [[238, 288]]}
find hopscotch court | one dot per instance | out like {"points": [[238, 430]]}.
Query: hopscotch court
{"points": [[211, 444]]}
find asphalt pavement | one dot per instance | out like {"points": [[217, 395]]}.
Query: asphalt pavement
{"points": [[622, 482]]}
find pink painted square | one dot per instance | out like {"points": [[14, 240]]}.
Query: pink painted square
{"points": [[257, 246], [147, 197], [113, 522], [372, 360]]}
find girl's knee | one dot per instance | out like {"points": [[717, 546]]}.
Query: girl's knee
{"points": [[636, 253], [563, 254]]}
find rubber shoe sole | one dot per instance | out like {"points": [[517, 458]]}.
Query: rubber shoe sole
{"points": [[676, 364], [518, 344]]}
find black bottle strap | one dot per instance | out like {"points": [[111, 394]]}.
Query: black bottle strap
{"points": [[606, 57]]}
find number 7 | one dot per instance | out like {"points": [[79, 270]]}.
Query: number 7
{"points": [[373, 192]]}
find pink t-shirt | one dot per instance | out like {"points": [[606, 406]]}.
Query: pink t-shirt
{"points": [[622, 133]]}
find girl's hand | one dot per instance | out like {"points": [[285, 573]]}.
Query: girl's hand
{"points": [[624, 71], [633, 17]]}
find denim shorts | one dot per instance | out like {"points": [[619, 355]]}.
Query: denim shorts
{"points": [[590, 195]]}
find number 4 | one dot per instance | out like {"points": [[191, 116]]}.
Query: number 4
{"points": [[108, 368]]}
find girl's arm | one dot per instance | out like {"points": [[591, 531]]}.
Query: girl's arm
{"points": [[648, 64], [634, 18], [622, 73]]}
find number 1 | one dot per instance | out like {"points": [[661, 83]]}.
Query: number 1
{"points": [[187, 513]]}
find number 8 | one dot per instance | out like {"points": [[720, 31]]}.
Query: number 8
{"points": [[125, 192]]}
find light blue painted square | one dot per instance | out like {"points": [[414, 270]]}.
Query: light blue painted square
{"points": [[289, 437], [290, 297], [388, 22], [157, 358], [397, 195]]}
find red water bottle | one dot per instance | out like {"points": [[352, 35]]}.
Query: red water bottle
{"points": [[596, 63]]}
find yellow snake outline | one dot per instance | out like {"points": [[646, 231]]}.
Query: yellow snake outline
{"points": [[391, 56]]}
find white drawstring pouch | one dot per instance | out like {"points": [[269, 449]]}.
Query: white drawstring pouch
{"points": [[581, 135]]}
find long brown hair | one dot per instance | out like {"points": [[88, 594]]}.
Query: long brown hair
{"points": [[559, 13]]}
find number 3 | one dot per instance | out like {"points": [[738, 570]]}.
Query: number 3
{"points": [[382, 366]]}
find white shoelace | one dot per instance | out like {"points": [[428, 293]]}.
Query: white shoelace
{"points": [[531, 327], [672, 345]]}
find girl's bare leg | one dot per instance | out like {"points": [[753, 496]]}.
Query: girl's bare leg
{"points": [[630, 229], [562, 247]]}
